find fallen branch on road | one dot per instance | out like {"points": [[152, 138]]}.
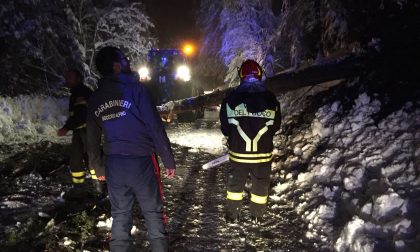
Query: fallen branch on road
{"points": [[281, 83]]}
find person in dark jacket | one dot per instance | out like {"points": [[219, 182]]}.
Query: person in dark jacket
{"points": [[249, 116], [121, 109], [77, 123]]}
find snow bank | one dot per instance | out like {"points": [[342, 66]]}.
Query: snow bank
{"points": [[354, 178], [27, 118]]}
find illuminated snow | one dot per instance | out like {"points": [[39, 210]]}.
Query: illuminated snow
{"points": [[31, 118], [355, 148], [207, 140]]}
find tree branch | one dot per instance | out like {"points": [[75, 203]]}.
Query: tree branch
{"points": [[283, 82]]}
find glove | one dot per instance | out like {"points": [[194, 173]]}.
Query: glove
{"points": [[170, 173]]}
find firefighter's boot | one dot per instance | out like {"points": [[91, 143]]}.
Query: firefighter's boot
{"points": [[77, 192], [100, 188], [232, 211]]}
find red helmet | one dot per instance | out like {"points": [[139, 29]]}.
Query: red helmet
{"points": [[250, 68]]}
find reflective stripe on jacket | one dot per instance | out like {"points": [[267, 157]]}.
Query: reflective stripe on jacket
{"points": [[250, 116]]}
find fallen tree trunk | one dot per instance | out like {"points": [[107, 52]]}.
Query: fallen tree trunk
{"points": [[281, 83]]}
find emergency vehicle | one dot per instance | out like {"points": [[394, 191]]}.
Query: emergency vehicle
{"points": [[168, 75]]}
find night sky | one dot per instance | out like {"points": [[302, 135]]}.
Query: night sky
{"points": [[175, 21]]}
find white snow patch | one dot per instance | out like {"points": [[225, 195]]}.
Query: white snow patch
{"points": [[367, 209], [388, 205], [353, 238], [134, 230], [107, 224], [207, 140], [29, 118], [67, 241], [281, 187], [354, 180], [11, 204], [400, 245], [275, 198], [355, 149]]}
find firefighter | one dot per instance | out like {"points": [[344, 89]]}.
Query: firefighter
{"points": [[249, 116], [77, 123], [121, 109]]}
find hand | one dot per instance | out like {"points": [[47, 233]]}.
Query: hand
{"points": [[62, 132], [170, 173]]}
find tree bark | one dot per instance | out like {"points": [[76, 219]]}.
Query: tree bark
{"points": [[281, 83]]}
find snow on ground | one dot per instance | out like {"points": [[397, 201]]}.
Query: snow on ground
{"points": [[206, 137], [28, 118], [31, 118], [353, 178], [355, 181]]}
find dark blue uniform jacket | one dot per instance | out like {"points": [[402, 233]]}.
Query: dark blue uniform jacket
{"points": [[249, 117], [121, 109]]}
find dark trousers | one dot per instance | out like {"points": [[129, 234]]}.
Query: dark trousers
{"points": [[260, 178], [132, 178], [78, 150]]}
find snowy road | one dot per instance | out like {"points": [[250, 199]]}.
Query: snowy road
{"points": [[346, 176], [194, 203]]}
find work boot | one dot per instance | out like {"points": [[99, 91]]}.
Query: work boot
{"points": [[77, 192], [100, 188], [232, 218], [232, 211]]}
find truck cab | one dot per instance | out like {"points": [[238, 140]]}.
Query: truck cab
{"points": [[168, 76]]}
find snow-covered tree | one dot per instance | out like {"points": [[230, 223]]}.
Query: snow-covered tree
{"points": [[211, 65], [312, 29], [127, 28], [309, 29], [248, 25], [115, 23], [40, 39], [238, 30], [37, 44], [303, 32]]}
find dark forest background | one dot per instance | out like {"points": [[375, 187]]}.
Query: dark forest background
{"points": [[40, 39]]}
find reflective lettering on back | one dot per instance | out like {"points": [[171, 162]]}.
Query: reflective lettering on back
{"points": [[242, 111], [110, 104]]}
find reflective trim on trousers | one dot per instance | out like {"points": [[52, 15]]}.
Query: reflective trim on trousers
{"points": [[78, 174], [259, 199], [78, 177], [78, 180], [250, 155], [234, 195], [93, 174], [250, 161]]}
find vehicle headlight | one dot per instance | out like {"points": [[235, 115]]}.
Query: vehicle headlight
{"points": [[183, 73], [144, 73]]}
